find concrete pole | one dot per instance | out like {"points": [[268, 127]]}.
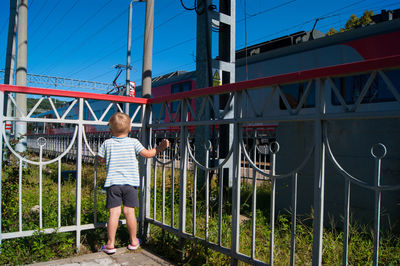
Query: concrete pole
{"points": [[203, 80], [148, 50], [10, 59], [128, 57], [12, 31], [20, 127], [203, 46]]}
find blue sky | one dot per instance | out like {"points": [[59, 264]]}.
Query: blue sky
{"points": [[84, 39]]}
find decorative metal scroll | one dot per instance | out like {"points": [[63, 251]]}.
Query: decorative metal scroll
{"points": [[41, 163], [255, 167], [228, 156]]}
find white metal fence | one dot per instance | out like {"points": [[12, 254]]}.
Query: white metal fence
{"points": [[315, 161]]}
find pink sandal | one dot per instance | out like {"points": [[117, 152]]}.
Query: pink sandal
{"points": [[134, 247], [108, 251]]}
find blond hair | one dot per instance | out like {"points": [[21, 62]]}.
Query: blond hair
{"points": [[119, 123]]}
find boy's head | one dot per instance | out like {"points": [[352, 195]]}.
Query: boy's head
{"points": [[119, 123]]}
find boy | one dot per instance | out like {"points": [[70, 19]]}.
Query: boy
{"points": [[122, 179]]}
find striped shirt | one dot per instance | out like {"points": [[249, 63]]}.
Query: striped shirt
{"points": [[121, 161]]}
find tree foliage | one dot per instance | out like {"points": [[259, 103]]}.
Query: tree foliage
{"points": [[354, 22]]}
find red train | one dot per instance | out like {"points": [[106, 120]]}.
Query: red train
{"points": [[291, 53]]}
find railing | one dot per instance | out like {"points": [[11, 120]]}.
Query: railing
{"points": [[303, 144], [74, 144], [308, 130]]}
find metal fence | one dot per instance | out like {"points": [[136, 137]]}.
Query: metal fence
{"points": [[318, 148]]}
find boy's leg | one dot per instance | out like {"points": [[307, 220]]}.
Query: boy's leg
{"points": [[113, 225], [131, 223]]}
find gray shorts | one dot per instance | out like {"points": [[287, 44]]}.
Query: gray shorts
{"points": [[125, 193]]}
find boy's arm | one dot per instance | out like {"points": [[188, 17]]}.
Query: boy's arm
{"points": [[153, 152], [101, 159]]}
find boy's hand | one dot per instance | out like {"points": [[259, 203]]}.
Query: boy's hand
{"points": [[164, 144]]}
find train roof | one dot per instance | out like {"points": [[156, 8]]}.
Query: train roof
{"points": [[341, 37], [386, 21]]}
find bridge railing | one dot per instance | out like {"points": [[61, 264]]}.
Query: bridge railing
{"points": [[324, 122]]}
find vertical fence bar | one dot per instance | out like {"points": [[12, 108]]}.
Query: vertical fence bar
{"points": [[95, 190], [194, 198], [155, 191], [235, 232], [79, 175], [319, 173], [346, 222], [220, 202], [172, 192], [378, 197], [207, 192], [272, 208], [294, 214], [59, 193], [20, 196], [254, 211], [163, 190], [40, 186], [183, 169]]}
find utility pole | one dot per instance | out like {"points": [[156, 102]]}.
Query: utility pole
{"points": [[10, 59], [223, 67], [215, 72], [128, 57], [226, 66], [203, 79], [20, 127], [203, 45], [148, 50], [12, 31]]}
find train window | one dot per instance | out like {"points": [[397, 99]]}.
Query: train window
{"points": [[179, 87], [351, 87], [294, 93]]}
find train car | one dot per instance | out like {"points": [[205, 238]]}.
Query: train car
{"points": [[295, 52]]}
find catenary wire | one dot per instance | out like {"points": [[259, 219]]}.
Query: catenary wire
{"points": [[37, 14], [44, 20], [122, 47], [56, 24], [83, 42], [80, 27]]}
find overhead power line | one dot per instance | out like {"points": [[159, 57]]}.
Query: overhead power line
{"points": [[163, 23], [56, 24], [43, 21], [37, 14], [77, 47], [265, 11], [80, 27]]}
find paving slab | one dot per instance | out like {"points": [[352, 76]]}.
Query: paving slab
{"points": [[122, 257]]}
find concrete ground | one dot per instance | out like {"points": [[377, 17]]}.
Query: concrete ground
{"points": [[122, 257]]}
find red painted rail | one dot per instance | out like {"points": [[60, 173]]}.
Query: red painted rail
{"points": [[73, 94], [331, 71]]}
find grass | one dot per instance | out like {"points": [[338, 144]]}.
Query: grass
{"points": [[44, 247], [191, 253]]}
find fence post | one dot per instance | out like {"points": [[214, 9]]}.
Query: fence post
{"points": [[183, 173], [79, 175], [145, 170], [319, 172], [236, 179]]}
